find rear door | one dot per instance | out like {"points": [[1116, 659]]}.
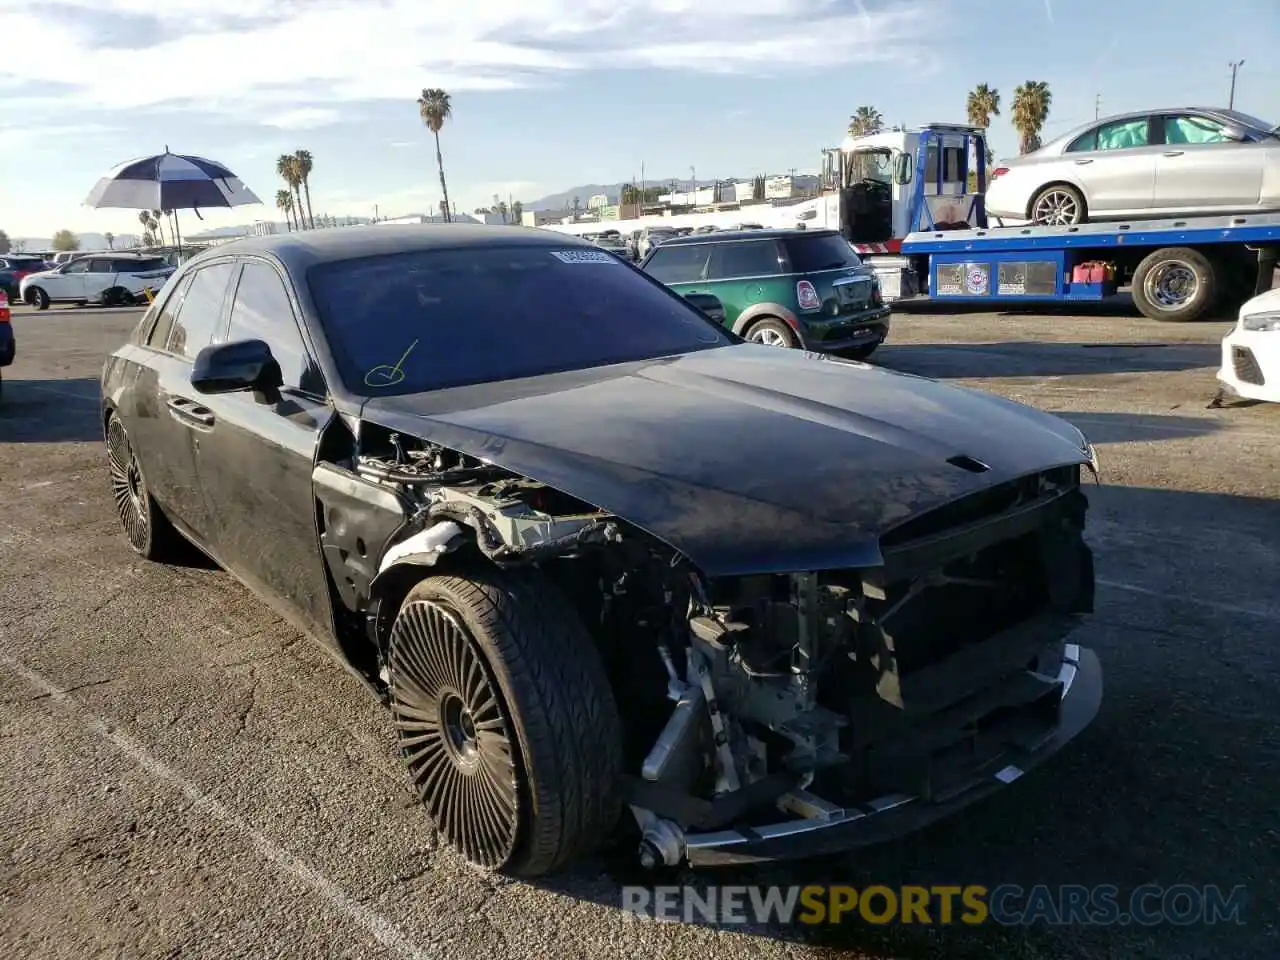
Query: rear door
{"points": [[742, 273], [1115, 163], [1201, 168], [255, 460], [98, 276]]}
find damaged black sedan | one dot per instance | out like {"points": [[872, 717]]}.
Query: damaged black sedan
{"points": [[599, 555]]}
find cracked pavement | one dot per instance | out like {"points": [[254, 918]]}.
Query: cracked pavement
{"points": [[182, 774]]}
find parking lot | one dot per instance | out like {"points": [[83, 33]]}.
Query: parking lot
{"points": [[182, 774]]}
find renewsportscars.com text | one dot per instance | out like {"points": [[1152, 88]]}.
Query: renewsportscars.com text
{"points": [[1007, 904]]}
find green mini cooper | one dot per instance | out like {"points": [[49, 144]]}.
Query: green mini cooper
{"points": [[785, 288]]}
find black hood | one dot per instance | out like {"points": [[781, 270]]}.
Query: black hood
{"points": [[745, 458]]}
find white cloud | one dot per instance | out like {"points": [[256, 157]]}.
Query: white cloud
{"points": [[264, 57], [304, 118]]}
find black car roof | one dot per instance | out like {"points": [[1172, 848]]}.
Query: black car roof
{"points": [[298, 251], [724, 236]]}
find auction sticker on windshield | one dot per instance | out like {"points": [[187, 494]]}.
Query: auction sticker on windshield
{"points": [[583, 256]]}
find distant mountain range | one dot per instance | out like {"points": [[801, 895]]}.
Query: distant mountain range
{"points": [[584, 192], [88, 241]]}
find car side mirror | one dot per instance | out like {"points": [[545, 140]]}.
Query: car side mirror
{"points": [[904, 167], [240, 366], [1232, 132], [708, 304]]}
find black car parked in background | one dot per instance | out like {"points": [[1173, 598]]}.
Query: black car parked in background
{"points": [[598, 554]]}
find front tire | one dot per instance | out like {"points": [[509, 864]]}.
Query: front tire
{"points": [[1058, 205], [505, 719], [38, 298], [1177, 284], [147, 529]]}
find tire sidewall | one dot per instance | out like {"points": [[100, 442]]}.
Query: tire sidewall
{"points": [[774, 323], [1074, 191]]}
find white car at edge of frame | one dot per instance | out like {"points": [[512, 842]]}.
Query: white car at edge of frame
{"points": [[1251, 352]]}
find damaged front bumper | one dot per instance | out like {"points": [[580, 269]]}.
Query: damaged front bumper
{"points": [[826, 828]]}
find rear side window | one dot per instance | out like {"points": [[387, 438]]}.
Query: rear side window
{"points": [[1120, 135], [753, 258], [683, 263], [164, 323], [813, 252], [201, 309]]}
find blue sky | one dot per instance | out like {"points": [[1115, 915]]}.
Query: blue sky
{"points": [[549, 94]]}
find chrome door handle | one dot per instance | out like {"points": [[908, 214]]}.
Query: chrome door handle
{"points": [[1081, 163], [1173, 153], [190, 411]]}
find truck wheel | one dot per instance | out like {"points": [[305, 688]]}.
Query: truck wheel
{"points": [[1058, 205], [37, 298], [1177, 284], [771, 332], [505, 719]]}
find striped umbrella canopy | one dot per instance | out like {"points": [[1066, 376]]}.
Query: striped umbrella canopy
{"points": [[170, 181]]}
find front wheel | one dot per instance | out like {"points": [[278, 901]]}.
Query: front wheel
{"points": [[36, 297], [505, 719], [1059, 205], [147, 528], [1176, 284]]}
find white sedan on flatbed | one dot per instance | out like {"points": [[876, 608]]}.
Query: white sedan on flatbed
{"points": [[1251, 352], [110, 279]]}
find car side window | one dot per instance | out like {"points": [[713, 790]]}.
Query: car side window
{"points": [[1191, 129], [753, 258], [101, 266], [683, 263], [199, 313], [263, 311], [1120, 135], [77, 266], [164, 323]]}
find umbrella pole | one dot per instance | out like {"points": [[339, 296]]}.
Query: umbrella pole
{"points": [[178, 232]]}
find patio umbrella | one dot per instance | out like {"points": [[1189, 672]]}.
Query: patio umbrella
{"points": [[170, 181]]}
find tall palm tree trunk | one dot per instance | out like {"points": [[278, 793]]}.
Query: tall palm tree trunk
{"points": [[311, 217], [448, 211], [297, 202]]}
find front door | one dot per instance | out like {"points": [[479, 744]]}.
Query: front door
{"points": [[1115, 163], [1201, 168], [68, 283], [256, 460]]}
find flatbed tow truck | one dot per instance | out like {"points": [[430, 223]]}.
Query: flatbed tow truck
{"points": [[904, 200]]}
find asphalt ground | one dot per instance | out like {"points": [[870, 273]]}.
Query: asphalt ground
{"points": [[181, 774]]}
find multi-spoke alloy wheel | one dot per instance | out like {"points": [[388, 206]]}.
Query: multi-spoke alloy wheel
{"points": [[454, 733], [127, 488]]}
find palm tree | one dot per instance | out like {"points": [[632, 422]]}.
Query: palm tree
{"points": [[284, 203], [156, 227], [434, 107], [287, 167], [865, 120], [983, 104], [1031, 102], [111, 240], [304, 166], [517, 212]]}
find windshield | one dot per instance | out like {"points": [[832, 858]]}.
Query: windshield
{"points": [[820, 251], [413, 322]]}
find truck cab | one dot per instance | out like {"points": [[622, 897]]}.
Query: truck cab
{"points": [[886, 185]]}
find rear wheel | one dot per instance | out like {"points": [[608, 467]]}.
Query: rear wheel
{"points": [[771, 332], [147, 528], [37, 298], [1176, 284], [116, 297], [505, 719], [1058, 205]]}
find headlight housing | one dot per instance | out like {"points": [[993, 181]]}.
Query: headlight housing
{"points": [[1261, 322]]}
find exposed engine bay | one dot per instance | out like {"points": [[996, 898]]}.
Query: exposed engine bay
{"points": [[766, 706]]}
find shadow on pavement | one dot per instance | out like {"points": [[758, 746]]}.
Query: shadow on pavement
{"points": [[1103, 427], [1043, 358], [50, 411], [1174, 783]]}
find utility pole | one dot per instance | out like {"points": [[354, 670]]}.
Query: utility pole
{"points": [[693, 196], [1231, 101], [1097, 105]]}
